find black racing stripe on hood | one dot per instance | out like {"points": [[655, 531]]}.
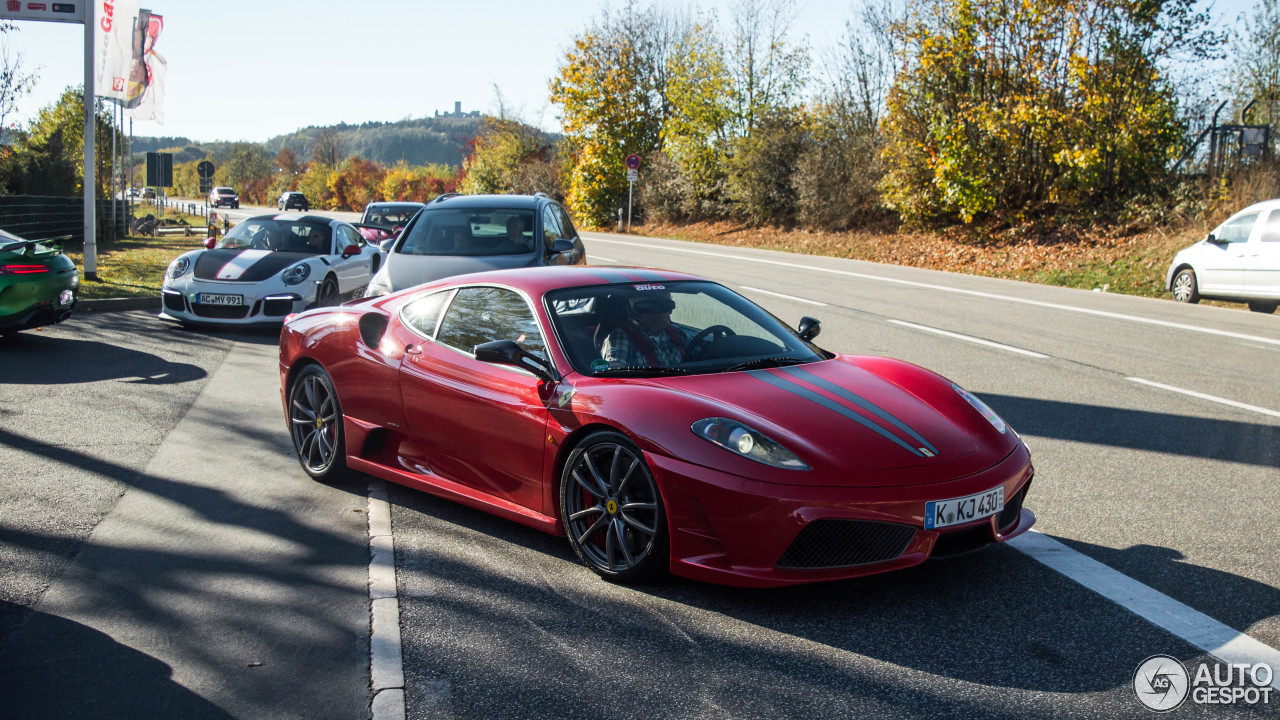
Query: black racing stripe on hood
{"points": [[791, 387], [211, 261], [861, 402]]}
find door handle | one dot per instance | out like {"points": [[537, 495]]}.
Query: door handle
{"points": [[412, 350]]}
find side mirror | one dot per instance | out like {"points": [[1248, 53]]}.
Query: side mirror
{"points": [[562, 245], [350, 250], [809, 328], [386, 245], [1211, 238], [508, 352], [209, 243]]}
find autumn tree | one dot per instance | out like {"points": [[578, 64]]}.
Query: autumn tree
{"points": [[356, 183], [328, 148], [509, 156], [15, 81], [248, 168]]}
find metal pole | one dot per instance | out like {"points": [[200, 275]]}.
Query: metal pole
{"points": [[90, 171], [115, 168], [630, 187]]}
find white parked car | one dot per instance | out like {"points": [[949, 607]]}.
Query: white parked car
{"points": [[1238, 261], [267, 267]]}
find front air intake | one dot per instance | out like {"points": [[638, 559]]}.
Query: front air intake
{"points": [[835, 543]]}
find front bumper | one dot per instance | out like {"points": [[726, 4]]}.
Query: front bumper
{"points": [[732, 531], [258, 309]]}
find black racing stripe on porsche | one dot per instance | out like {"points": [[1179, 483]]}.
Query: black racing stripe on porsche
{"points": [[648, 275], [861, 402], [791, 387], [211, 261], [609, 275]]}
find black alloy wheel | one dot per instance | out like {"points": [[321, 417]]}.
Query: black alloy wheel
{"points": [[1185, 287], [327, 295], [612, 511], [315, 424]]}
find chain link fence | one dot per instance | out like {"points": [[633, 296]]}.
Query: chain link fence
{"points": [[39, 217]]}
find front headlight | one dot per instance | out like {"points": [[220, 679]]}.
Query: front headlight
{"points": [[982, 407], [378, 286], [749, 443], [178, 267], [296, 274]]}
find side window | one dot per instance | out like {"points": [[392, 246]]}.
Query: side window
{"points": [[422, 315], [1271, 230], [551, 230], [349, 237], [483, 314], [565, 223], [1237, 230]]}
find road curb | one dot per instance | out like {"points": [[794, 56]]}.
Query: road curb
{"points": [[118, 304]]}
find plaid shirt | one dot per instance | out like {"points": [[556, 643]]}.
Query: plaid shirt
{"points": [[625, 347]]}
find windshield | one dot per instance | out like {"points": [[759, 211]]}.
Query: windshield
{"points": [[389, 217], [278, 236], [471, 232], [670, 328], [225, 191]]}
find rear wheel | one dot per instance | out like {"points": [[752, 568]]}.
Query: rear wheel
{"points": [[315, 424], [612, 511], [1185, 287], [1263, 306]]}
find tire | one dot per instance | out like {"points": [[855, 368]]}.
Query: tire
{"points": [[1263, 306], [327, 294], [612, 510], [1185, 288], [315, 425]]}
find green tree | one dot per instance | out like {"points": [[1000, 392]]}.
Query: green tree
{"points": [[248, 168], [511, 157]]}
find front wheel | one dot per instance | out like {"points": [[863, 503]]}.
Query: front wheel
{"points": [[315, 424], [327, 295], [1185, 287], [612, 511]]}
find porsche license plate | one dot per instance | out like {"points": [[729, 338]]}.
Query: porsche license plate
{"points": [[216, 299], [942, 513]]}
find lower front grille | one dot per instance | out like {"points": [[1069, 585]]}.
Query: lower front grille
{"points": [[1012, 509], [222, 312], [173, 301], [834, 543]]}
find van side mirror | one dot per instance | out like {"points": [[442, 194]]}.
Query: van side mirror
{"points": [[562, 245], [509, 352], [809, 328]]}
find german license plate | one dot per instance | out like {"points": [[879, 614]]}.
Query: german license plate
{"points": [[942, 513], [216, 299]]}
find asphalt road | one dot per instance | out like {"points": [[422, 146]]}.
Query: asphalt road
{"points": [[156, 527]]}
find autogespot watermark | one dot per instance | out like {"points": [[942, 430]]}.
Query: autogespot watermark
{"points": [[1162, 683]]}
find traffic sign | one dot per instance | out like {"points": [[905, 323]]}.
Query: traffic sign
{"points": [[633, 162], [205, 169], [632, 175]]}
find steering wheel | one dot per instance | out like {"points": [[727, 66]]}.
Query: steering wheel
{"points": [[698, 344]]}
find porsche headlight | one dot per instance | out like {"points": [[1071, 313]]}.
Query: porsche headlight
{"points": [[982, 407], [378, 286], [745, 441], [178, 267], [296, 274]]}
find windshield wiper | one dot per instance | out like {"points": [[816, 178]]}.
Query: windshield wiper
{"points": [[641, 370], [765, 362]]}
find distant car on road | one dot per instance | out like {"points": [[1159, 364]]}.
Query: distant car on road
{"points": [[267, 267], [1239, 261], [293, 200], [220, 196], [37, 283], [148, 194], [390, 214], [456, 234]]}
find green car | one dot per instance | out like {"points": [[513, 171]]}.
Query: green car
{"points": [[37, 283]]}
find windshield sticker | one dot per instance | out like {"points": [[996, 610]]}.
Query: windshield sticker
{"points": [[650, 286]]}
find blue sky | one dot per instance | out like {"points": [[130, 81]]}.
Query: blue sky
{"points": [[252, 70]]}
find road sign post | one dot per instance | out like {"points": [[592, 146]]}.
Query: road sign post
{"points": [[633, 174]]}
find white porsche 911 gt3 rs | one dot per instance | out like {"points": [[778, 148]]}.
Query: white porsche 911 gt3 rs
{"points": [[267, 267]]}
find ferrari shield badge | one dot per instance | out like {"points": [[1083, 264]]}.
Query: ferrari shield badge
{"points": [[565, 394]]}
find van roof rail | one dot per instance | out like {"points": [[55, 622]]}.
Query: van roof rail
{"points": [[444, 196]]}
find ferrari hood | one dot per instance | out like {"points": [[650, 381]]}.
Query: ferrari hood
{"points": [[244, 265], [853, 426], [409, 270]]}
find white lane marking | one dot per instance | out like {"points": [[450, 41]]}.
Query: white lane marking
{"points": [[1202, 631], [1202, 396], [595, 257], [787, 297], [974, 293], [386, 663], [969, 338]]}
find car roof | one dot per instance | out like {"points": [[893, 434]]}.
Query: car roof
{"points": [[394, 205], [537, 281], [1258, 207], [309, 219], [487, 201]]}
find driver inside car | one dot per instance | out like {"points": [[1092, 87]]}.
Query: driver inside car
{"points": [[647, 338]]}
